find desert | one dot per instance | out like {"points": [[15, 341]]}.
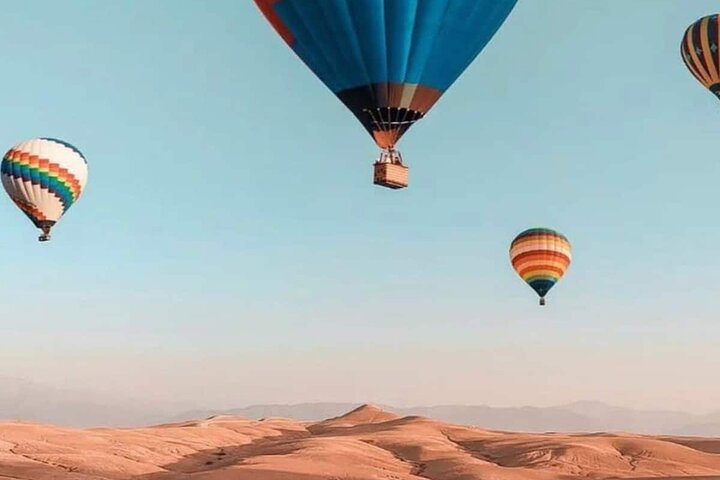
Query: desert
{"points": [[366, 443]]}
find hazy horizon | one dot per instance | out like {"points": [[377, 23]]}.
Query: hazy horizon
{"points": [[373, 376], [230, 248]]}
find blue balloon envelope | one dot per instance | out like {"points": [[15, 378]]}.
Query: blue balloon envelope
{"points": [[388, 61]]}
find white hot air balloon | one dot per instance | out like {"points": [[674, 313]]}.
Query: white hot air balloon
{"points": [[44, 177]]}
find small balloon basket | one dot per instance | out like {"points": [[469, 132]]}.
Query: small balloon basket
{"points": [[390, 171], [45, 227]]}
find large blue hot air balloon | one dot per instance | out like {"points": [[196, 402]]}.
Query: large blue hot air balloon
{"points": [[388, 61]]}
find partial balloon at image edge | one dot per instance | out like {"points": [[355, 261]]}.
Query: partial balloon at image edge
{"points": [[700, 51], [388, 63]]}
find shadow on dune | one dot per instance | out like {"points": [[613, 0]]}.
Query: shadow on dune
{"points": [[706, 477], [215, 460]]}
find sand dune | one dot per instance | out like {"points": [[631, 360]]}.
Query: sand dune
{"points": [[367, 443]]}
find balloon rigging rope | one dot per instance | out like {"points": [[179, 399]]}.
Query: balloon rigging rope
{"points": [[387, 125], [377, 123]]}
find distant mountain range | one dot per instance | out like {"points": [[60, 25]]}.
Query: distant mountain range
{"points": [[584, 416], [28, 401]]}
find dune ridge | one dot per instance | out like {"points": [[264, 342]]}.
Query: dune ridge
{"points": [[366, 443]]}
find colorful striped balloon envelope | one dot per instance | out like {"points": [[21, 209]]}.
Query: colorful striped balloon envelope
{"points": [[541, 257], [700, 50], [44, 177]]}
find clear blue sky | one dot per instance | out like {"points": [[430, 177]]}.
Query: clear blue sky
{"points": [[230, 224]]}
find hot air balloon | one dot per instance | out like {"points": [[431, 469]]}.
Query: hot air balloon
{"points": [[540, 256], [700, 49], [388, 61], [44, 177]]}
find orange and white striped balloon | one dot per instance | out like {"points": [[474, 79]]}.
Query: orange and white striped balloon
{"points": [[541, 257]]}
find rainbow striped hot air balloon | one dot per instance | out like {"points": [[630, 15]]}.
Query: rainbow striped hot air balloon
{"points": [[388, 61], [700, 50], [44, 177], [541, 257]]}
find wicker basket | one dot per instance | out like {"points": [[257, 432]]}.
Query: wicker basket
{"points": [[391, 175]]}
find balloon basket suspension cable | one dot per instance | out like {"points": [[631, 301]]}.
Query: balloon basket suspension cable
{"points": [[45, 234], [390, 172]]}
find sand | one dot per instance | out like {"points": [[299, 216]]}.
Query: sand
{"points": [[364, 444]]}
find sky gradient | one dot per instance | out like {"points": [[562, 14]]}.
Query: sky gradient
{"points": [[230, 247]]}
